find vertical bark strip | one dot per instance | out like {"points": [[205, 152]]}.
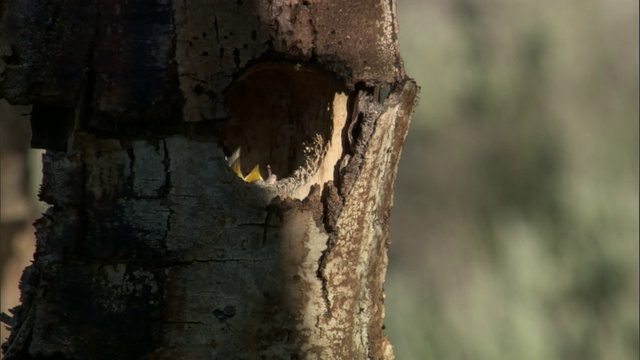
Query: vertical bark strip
{"points": [[153, 247]]}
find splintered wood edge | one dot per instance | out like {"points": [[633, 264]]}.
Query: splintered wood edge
{"points": [[320, 168], [323, 160]]}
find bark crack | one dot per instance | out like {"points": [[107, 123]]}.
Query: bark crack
{"points": [[165, 189], [132, 171], [179, 263], [184, 322], [314, 37], [322, 263], [166, 162], [265, 226], [215, 26], [331, 207]]}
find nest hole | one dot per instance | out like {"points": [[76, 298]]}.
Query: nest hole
{"points": [[281, 117]]}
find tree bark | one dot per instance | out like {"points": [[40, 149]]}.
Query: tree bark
{"points": [[153, 247]]}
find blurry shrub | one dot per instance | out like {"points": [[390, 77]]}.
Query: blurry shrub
{"points": [[515, 231]]}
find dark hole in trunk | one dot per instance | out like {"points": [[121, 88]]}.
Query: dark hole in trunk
{"points": [[280, 113]]}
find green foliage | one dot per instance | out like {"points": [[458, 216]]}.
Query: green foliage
{"points": [[515, 230]]}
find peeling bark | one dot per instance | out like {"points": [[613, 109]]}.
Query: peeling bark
{"points": [[152, 246]]}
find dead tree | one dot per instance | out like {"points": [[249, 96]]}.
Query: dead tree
{"points": [[157, 244]]}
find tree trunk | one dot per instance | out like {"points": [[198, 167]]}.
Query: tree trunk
{"points": [[154, 247]]}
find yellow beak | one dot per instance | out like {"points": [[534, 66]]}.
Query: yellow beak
{"points": [[234, 163]]}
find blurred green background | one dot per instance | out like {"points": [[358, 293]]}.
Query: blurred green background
{"points": [[515, 226]]}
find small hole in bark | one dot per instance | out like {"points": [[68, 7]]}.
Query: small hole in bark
{"points": [[226, 313], [281, 116], [384, 93]]}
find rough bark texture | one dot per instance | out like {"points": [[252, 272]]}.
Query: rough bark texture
{"points": [[153, 247]]}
